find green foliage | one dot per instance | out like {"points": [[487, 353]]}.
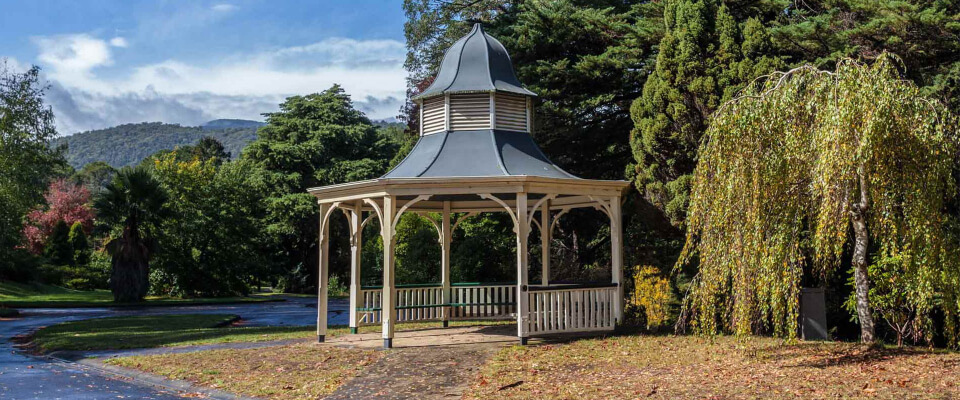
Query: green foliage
{"points": [[59, 248], [95, 176], [128, 144], [79, 245], [26, 160], [211, 241], [314, 140], [784, 171], [705, 56], [891, 292]]}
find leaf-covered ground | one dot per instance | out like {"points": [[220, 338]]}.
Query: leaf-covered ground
{"points": [[633, 367], [298, 371]]}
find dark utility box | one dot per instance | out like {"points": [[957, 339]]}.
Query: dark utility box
{"points": [[813, 314]]}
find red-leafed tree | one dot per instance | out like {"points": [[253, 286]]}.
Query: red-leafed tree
{"points": [[66, 201]]}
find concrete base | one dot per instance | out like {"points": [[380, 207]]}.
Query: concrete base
{"points": [[388, 343], [353, 330], [320, 338], [446, 324], [523, 341]]}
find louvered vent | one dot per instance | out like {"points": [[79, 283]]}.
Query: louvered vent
{"points": [[511, 112], [433, 115], [469, 111]]}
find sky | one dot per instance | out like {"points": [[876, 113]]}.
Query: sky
{"points": [[111, 62]]}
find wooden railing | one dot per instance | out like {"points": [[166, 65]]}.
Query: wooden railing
{"points": [[577, 308], [424, 302], [476, 301]]}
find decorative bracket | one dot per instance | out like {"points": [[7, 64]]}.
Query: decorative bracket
{"points": [[459, 220], [396, 218], [513, 215]]}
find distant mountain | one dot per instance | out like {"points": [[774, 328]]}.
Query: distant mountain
{"points": [[128, 144], [232, 123]]}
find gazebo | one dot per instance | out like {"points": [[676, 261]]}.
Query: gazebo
{"points": [[475, 154]]}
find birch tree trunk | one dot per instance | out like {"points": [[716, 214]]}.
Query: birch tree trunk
{"points": [[861, 282]]}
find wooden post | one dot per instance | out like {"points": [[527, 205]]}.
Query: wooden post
{"points": [[388, 300], [324, 249], [446, 237], [523, 231], [545, 233], [356, 249], [616, 257]]}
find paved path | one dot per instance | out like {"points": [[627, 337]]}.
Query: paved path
{"points": [[411, 371], [26, 377]]}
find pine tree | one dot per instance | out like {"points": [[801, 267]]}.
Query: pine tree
{"points": [[705, 56], [59, 249], [79, 245]]}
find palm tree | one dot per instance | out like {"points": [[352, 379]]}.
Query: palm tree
{"points": [[133, 204]]}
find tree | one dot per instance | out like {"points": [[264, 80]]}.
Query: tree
{"points": [[132, 205], [824, 32], [67, 202], [314, 140], [211, 238], [79, 245], [95, 176], [785, 172], [26, 158], [59, 250], [705, 56]]}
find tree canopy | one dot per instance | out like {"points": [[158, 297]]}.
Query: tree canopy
{"points": [[790, 165]]}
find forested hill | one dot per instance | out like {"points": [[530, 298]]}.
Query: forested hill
{"points": [[128, 144]]}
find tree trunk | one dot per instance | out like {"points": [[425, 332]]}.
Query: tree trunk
{"points": [[130, 275], [861, 282]]}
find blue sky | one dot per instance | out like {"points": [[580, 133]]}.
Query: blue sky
{"points": [[111, 62]]}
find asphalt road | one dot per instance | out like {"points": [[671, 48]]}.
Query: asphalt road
{"points": [[26, 377]]}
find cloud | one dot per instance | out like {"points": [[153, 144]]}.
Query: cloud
{"points": [[223, 7], [238, 86], [72, 57], [118, 42]]}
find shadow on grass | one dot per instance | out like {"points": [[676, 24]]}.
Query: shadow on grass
{"points": [[155, 331]]}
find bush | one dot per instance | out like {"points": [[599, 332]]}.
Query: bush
{"points": [[93, 275], [650, 302], [19, 266]]}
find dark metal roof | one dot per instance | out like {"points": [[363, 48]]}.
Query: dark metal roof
{"points": [[476, 153], [476, 63]]}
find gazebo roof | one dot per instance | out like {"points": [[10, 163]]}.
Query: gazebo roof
{"points": [[479, 153], [475, 63]]}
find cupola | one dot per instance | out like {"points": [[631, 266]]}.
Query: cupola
{"points": [[476, 118], [476, 88]]}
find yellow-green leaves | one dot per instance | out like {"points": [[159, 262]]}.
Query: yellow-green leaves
{"points": [[780, 170]]}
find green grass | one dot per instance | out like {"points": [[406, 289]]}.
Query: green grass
{"points": [[34, 295], [186, 330]]}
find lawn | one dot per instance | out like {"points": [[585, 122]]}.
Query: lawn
{"points": [[34, 295], [631, 367], [299, 371]]}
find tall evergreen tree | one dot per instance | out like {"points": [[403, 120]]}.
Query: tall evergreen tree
{"points": [[79, 244], [314, 140], [59, 250], [707, 53]]}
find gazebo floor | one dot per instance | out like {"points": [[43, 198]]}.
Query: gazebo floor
{"points": [[502, 335], [493, 334]]}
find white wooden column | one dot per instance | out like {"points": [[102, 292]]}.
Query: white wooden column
{"points": [[523, 231], [356, 249], [545, 233], [324, 249], [446, 237], [616, 256], [388, 301]]}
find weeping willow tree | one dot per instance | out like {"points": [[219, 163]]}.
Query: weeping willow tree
{"points": [[808, 163]]}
